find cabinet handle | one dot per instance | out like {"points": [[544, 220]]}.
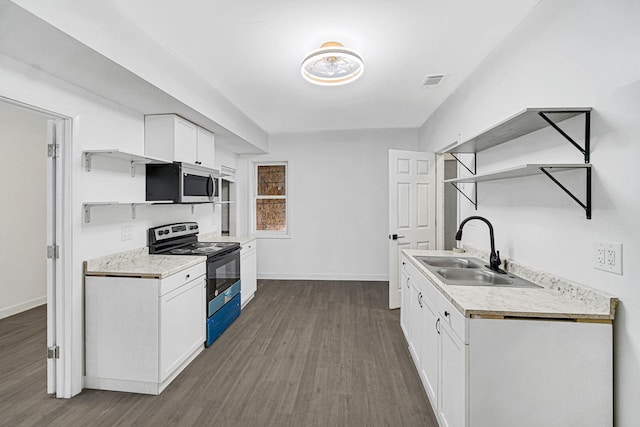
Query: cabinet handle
{"points": [[408, 282], [188, 275], [438, 324], [446, 313], [420, 299], [403, 263]]}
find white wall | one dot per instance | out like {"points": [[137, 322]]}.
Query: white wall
{"points": [[565, 53], [97, 124], [338, 197], [23, 269]]}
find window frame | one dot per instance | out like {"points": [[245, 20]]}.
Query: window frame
{"points": [[274, 234]]}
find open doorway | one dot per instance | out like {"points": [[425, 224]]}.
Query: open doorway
{"points": [[31, 142], [450, 204], [228, 213]]}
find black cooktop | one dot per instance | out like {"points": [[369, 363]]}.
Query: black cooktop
{"points": [[202, 248], [182, 239]]}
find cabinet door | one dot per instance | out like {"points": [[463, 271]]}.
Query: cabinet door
{"points": [[185, 140], [415, 318], [206, 148], [248, 272], [429, 349], [181, 325], [452, 390], [405, 306]]}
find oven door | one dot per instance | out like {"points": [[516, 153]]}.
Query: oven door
{"points": [[198, 186], [222, 273]]}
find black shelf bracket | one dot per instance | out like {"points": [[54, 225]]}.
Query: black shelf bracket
{"points": [[585, 205], [587, 131], [474, 171], [473, 201]]}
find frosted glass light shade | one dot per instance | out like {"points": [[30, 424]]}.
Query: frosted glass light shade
{"points": [[332, 65]]}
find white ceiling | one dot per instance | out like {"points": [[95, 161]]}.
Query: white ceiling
{"points": [[251, 51]]}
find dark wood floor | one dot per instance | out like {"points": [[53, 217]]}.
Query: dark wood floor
{"points": [[307, 353]]}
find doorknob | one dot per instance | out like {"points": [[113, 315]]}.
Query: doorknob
{"points": [[395, 237]]}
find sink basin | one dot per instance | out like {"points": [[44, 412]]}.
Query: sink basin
{"points": [[480, 277], [469, 271], [451, 262]]}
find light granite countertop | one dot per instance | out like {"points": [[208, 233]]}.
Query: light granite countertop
{"points": [[210, 237], [558, 298], [138, 263]]}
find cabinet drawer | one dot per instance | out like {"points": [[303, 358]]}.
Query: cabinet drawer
{"points": [[248, 248], [452, 317], [181, 277]]}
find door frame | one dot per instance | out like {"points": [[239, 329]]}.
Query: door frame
{"points": [[62, 300]]}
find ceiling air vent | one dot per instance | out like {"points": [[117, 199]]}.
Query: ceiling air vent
{"points": [[432, 80]]}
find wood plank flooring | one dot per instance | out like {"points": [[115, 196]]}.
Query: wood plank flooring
{"points": [[302, 353]]}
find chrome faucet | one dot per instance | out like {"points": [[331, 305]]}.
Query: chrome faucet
{"points": [[494, 257]]}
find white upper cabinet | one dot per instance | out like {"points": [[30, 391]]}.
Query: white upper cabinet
{"points": [[205, 148], [172, 138]]}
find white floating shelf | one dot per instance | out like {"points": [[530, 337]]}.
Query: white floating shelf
{"points": [[86, 207], [133, 159], [520, 124], [519, 171]]}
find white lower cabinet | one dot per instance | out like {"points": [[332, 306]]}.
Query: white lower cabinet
{"points": [[141, 333], [248, 271], [451, 382], [405, 304], [503, 372]]}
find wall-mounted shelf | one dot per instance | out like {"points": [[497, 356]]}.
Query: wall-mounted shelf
{"points": [[525, 122], [87, 206], [133, 159], [518, 171]]}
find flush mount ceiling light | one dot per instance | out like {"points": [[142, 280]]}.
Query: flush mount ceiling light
{"points": [[332, 65]]}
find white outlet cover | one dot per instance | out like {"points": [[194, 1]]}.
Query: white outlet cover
{"points": [[607, 256], [126, 232]]}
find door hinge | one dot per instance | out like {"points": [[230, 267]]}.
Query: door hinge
{"points": [[53, 352], [53, 150], [53, 251]]}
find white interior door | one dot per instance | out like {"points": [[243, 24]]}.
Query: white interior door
{"points": [[412, 219]]}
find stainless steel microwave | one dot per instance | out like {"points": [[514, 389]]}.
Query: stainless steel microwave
{"points": [[181, 183]]}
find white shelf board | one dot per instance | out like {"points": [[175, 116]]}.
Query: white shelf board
{"points": [[122, 155], [86, 206], [519, 171], [520, 124]]}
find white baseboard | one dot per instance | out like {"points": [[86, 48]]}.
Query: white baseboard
{"points": [[324, 276], [24, 306]]}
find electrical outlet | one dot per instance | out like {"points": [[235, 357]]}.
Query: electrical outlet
{"points": [[126, 232], [608, 257], [599, 254]]}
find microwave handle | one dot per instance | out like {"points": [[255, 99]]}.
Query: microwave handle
{"points": [[210, 186]]}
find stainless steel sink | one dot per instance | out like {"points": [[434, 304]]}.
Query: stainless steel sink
{"points": [[461, 271], [451, 262], [480, 277]]}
